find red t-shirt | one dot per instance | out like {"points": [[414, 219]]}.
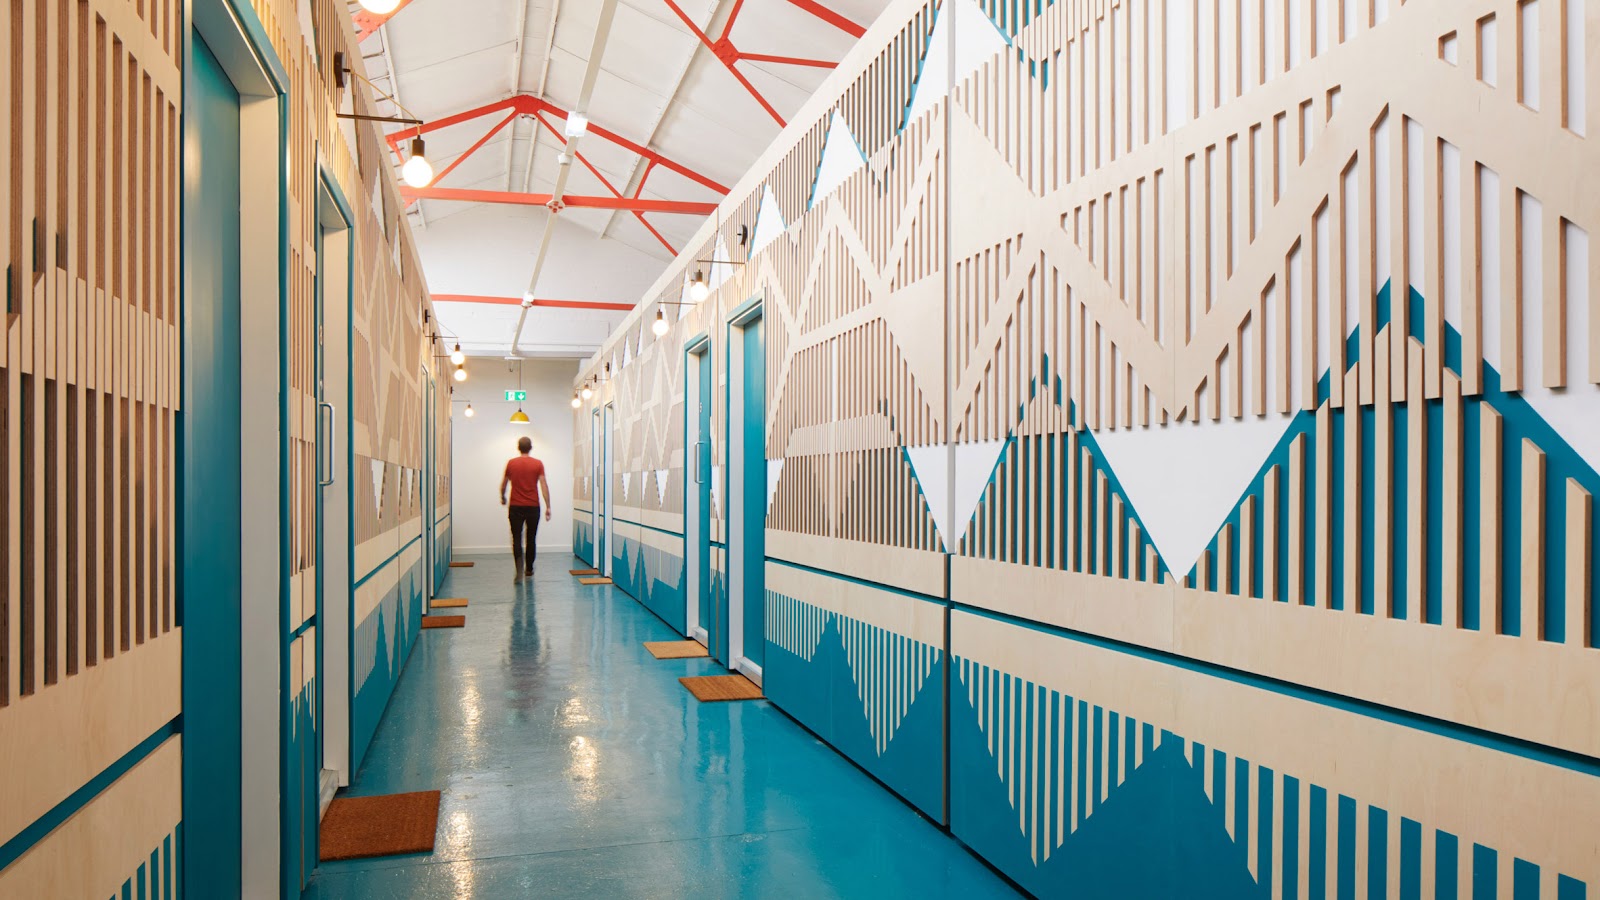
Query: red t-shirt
{"points": [[524, 472]]}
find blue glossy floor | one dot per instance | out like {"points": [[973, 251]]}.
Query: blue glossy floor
{"points": [[574, 764]]}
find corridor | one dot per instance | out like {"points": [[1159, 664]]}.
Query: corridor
{"points": [[573, 764]]}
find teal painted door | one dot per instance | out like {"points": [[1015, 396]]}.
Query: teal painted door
{"points": [[752, 550], [209, 480]]}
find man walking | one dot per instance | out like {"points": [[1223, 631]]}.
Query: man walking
{"points": [[525, 475]]}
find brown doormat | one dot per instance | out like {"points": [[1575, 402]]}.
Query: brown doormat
{"points": [[583, 571], [594, 581], [387, 825], [711, 688], [675, 649], [462, 565], [443, 621], [450, 602]]}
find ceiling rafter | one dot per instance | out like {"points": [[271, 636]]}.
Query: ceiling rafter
{"points": [[730, 55], [541, 111]]}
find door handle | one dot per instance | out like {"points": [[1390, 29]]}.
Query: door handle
{"points": [[697, 478], [325, 410]]}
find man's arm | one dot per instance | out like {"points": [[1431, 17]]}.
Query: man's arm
{"points": [[504, 480], [544, 488]]}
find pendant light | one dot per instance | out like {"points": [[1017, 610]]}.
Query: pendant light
{"points": [[660, 325], [417, 171], [461, 373], [456, 356], [576, 403], [698, 289], [519, 417], [587, 391], [469, 409]]}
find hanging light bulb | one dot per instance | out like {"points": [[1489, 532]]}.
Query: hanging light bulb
{"points": [[519, 417], [698, 289], [469, 409], [576, 403], [417, 171], [660, 324], [381, 7], [461, 373], [587, 391], [456, 356]]}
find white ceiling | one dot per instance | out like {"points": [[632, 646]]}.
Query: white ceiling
{"points": [[657, 86]]}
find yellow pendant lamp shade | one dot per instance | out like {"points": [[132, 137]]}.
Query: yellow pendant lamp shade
{"points": [[519, 417]]}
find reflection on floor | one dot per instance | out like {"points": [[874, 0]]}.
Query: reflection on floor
{"points": [[574, 764]]}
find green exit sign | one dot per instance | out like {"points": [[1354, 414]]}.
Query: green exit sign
{"points": [[516, 396]]}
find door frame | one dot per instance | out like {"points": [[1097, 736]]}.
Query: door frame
{"points": [[597, 490], [737, 505], [251, 784], [697, 365], [336, 257], [430, 429], [608, 425]]}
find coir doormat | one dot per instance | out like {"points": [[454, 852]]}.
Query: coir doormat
{"points": [[386, 825]]}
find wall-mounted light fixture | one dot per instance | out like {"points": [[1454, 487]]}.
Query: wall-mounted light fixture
{"points": [[417, 171], [588, 390], [456, 356], [461, 373], [576, 403], [660, 326], [469, 409], [698, 288]]}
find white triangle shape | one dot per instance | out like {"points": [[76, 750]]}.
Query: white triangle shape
{"points": [[977, 42], [377, 485], [716, 483], [661, 487], [841, 158], [1184, 479], [931, 465], [627, 481], [769, 222], [774, 469], [720, 271], [974, 468]]}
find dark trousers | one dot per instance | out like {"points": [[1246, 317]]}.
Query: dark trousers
{"points": [[524, 519]]}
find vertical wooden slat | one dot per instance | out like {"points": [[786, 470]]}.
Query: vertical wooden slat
{"points": [[1580, 564], [1489, 547], [1417, 488], [1450, 488], [1532, 601]]}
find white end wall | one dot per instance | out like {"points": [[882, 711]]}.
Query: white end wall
{"points": [[484, 442]]}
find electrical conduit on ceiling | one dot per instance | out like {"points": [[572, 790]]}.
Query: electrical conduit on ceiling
{"points": [[602, 32]]}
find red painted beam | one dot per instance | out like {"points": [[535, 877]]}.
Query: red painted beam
{"points": [[725, 53], [550, 304], [571, 201], [368, 23], [529, 105], [788, 60], [831, 17], [470, 150], [609, 186]]}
